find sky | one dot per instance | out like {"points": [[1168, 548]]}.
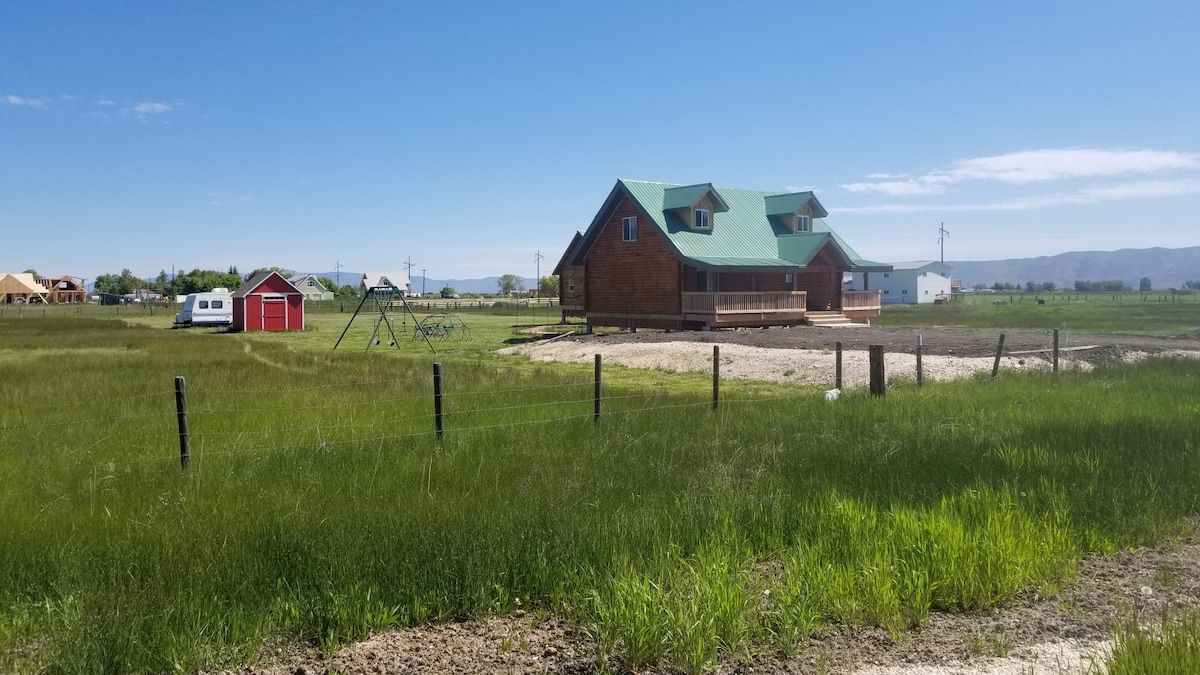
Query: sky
{"points": [[469, 137]]}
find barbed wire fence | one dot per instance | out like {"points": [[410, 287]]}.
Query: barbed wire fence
{"points": [[259, 421]]}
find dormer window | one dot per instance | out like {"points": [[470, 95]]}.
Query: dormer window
{"points": [[803, 223], [701, 220]]}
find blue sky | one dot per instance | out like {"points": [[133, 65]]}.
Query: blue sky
{"points": [[467, 136]]}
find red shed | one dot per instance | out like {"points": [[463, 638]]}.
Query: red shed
{"points": [[268, 302]]}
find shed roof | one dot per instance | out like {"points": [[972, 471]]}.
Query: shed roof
{"points": [[259, 279]]}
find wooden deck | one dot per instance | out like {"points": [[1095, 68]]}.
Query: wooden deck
{"points": [[745, 309]]}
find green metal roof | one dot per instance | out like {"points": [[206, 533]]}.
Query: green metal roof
{"points": [[785, 204], [685, 196], [744, 237]]}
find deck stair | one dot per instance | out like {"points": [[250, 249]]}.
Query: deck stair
{"points": [[826, 319]]}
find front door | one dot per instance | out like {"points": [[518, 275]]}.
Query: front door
{"points": [[274, 314]]}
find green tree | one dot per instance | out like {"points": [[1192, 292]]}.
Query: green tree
{"points": [[509, 284], [329, 284], [201, 281], [264, 269], [1144, 285], [448, 292], [548, 287], [111, 287]]}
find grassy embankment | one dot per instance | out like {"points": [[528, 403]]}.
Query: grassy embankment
{"points": [[320, 507]]}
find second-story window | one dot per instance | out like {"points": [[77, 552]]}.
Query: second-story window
{"points": [[803, 224], [629, 229], [701, 220]]}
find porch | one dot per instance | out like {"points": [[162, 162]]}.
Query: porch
{"points": [[768, 308], [745, 308]]}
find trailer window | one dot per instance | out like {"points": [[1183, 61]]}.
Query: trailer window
{"points": [[203, 304], [218, 304]]}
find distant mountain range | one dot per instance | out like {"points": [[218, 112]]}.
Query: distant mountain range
{"points": [[1165, 267]]}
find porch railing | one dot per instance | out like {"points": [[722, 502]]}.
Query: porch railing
{"points": [[744, 303], [860, 300]]}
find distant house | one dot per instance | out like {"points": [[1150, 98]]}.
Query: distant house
{"points": [[385, 282], [19, 287], [268, 302], [659, 255], [911, 283], [311, 287]]}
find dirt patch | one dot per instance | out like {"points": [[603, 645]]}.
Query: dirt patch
{"points": [[1063, 635], [807, 355]]}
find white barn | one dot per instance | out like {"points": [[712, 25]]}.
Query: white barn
{"points": [[908, 283], [394, 280]]}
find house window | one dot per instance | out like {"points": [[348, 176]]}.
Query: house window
{"points": [[570, 284], [629, 229], [787, 280], [803, 224], [885, 292], [886, 275], [701, 221], [904, 292]]}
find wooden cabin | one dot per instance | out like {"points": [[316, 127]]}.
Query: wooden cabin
{"points": [[659, 255]]}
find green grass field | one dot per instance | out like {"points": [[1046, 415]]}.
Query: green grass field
{"points": [[320, 506], [1136, 313]]}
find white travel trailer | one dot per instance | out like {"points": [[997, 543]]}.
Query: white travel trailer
{"points": [[214, 308]]}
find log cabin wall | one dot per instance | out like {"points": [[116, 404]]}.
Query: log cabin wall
{"points": [[631, 277], [571, 286]]}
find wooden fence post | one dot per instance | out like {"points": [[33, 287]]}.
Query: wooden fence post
{"points": [[716, 375], [596, 413], [1056, 350], [437, 399], [837, 372], [996, 364], [920, 374], [185, 449], [878, 375]]}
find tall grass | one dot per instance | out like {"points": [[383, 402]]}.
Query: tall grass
{"points": [[320, 507]]}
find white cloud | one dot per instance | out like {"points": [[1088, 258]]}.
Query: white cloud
{"points": [[1032, 166], [1093, 195], [19, 101], [152, 108], [1044, 165], [898, 188]]}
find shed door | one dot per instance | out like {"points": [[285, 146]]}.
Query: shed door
{"points": [[274, 314]]}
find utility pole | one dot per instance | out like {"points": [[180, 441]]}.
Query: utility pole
{"points": [[422, 281], [408, 270], [537, 258], [942, 234], [337, 274]]}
